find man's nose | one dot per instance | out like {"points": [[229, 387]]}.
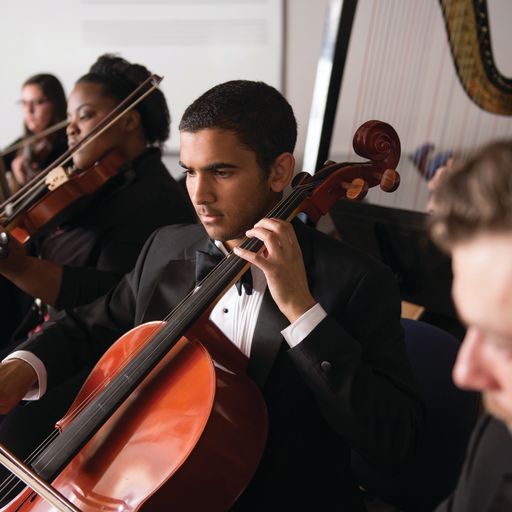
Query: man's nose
{"points": [[202, 192], [472, 369]]}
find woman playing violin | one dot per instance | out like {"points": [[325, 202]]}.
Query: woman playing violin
{"points": [[85, 256], [43, 104]]}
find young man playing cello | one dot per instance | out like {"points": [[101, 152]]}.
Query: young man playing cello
{"points": [[320, 325]]}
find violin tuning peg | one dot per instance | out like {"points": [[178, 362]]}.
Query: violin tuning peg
{"points": [[389, 180], [357, 189]]}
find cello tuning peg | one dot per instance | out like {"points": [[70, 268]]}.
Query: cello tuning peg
{"points": [[389, 180], [357, 189], [300, 177]]}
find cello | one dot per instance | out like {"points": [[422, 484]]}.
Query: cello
{"points": [[128, 441]]}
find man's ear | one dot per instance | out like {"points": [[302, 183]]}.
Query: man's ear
{"points": [[131, 120], [281, 172]]}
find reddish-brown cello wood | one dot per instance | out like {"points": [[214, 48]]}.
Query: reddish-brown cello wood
{"points": [[189, 438]]}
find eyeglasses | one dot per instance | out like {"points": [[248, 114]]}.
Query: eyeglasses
{"points": [[33, 103]]}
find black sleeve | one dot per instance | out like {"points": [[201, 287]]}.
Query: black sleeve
{"points": [[356, 365], [128, 226], [78, 337]]}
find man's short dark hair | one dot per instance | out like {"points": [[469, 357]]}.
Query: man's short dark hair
{"points": [[475, 197], [256, 112]]}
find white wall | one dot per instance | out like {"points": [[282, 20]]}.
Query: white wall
{"points": [[303, 38], [194, 44]]}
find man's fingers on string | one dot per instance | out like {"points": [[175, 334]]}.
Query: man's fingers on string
{"points": [[266, 236]]}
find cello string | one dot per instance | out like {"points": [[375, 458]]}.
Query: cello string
{"points": [[12, 478]]}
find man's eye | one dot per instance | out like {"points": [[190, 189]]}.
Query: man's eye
{"points": [[189, 172], [504, 347], [222, 174]]}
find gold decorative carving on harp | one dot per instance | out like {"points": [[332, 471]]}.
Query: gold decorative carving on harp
{"points": [[467, 23]]}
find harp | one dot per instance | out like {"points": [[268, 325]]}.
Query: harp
{"points": [[430, 69]]}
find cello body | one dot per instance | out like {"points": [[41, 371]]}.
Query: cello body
{"points": [[192, 434]]}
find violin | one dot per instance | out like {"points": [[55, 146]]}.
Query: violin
{"points": [[62, 193], [34, 138], [57, 191], [169, 408]]}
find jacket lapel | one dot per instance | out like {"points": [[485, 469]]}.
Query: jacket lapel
{"points": [[174, 283], [266, 341], [178, 279]]}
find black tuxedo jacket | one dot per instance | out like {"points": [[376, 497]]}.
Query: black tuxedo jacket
{"points": [[485, 483], [348, 384]]}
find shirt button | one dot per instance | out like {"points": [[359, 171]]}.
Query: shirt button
{"points": [[225, 310], [326, 366]]}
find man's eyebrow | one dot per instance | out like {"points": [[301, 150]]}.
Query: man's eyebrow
{"points": [[215, 166]]}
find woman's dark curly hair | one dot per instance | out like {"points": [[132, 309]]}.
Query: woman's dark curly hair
{"points": [[119, 78]]}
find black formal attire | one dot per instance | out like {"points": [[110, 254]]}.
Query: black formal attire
{"points": [[347, 384], [485, 484], [96, 247]]}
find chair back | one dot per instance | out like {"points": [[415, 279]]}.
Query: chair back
{"points": [[450, 416]]}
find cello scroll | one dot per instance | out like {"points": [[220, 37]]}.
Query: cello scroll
{"points": [[374, 140]]}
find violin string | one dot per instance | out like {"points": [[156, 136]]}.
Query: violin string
{"points": [[93, 393]]}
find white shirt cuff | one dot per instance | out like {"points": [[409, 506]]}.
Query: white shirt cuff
{"points": [[297, 331], [39, 388]]}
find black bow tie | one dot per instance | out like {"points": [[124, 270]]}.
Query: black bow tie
{"points": [[206, 261]]}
